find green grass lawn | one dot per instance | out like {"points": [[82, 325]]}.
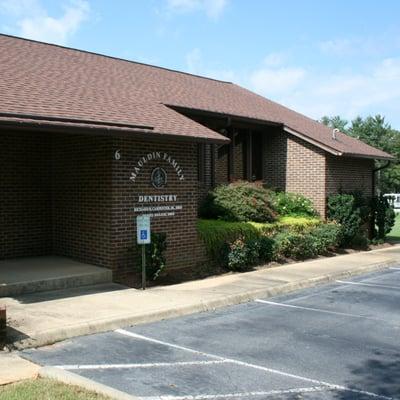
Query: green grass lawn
{"points": [[46, 389], [394, 235]]}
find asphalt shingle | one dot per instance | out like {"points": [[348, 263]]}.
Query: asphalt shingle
{"points": [[39, 80]]}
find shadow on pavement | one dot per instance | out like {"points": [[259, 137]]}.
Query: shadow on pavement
{"points": [[380, 375]]}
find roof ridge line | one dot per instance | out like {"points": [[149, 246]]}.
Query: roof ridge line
{"points": [[115, 58]]}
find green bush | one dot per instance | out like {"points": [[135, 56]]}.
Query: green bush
{"points": [[295, 245], [326, 237], [242, 253], [266, 249], [238, 245], [383, 216], [155, 255], [217, 234], [239, 201], [343, 210], [294, 224], [292, 204]]}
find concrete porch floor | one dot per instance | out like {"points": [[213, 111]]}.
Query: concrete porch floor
{"points": [[38, 274]]}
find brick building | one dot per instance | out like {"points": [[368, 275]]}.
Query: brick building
{"points": [[89, 142]]}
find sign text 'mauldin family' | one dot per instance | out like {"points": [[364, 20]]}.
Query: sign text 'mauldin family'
{"points": [[157, 155]]}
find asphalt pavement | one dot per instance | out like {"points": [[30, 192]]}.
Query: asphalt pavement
{"points": [[337, 341]]}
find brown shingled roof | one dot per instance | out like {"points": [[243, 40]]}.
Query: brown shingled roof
{"points": [[49, 84]]}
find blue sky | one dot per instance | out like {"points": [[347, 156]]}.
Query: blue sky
{"points": [[319, 57]]}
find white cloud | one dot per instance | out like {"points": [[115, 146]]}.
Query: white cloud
{"points": [[339, 47], [32, 20], [314, 91], [195, 65], [212, 8], [193, 61], [371, 91], [274, 59], [273, 81]]}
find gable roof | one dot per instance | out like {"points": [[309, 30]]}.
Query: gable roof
{"points": [[50, 85]]}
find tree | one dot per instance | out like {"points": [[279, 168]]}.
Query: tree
{"points": [[335, 122]]}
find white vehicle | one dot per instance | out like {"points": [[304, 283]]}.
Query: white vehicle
{"points": [[394, 200]]}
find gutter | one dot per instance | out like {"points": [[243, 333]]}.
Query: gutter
{"points": [[139, 132]]}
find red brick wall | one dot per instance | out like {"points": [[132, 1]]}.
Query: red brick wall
{"points": [[221, 164], [294, 165], [275, 159], [182, 240], [67, 195], [348, 174], [81, 200], [239, 168], [25, 195]]}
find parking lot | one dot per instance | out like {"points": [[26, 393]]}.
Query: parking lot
{"points": [[338, 341]]}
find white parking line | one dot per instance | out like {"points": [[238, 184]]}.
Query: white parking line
{"points": [[376, 285], [395, 269], [129, 366], [241, 394], [254, 366], [272, 303]]}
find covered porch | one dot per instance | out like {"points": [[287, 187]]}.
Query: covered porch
{"points": [[54, 211], [25, 275]]}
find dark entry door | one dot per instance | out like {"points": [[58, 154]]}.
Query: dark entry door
{"points": [[257, 157]]}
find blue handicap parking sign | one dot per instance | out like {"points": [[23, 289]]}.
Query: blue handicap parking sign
{"points": [[143, 234]]}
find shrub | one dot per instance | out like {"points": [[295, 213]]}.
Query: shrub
{"points": [[383, 216], [342, 209], [292, 204], [360, 241], [295, 245], [300, 246], [155, 257], [266, 249], [243, 253], [240, 201], [217, 234], [237, 245], [326, 237]]}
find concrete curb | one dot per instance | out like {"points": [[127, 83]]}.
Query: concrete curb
{"points": [[70, 378], [97, 326]]}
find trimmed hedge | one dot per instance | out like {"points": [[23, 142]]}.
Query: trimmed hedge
{"points": [[215, 232], [237, 245]]}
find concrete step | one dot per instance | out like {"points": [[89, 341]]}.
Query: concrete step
{"points": [[42, 274]]}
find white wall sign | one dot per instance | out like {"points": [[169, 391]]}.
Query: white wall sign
{"points": [[150, 204], [157, 155]]}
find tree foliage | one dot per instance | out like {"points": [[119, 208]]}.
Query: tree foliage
{"points": [[378, 133]]}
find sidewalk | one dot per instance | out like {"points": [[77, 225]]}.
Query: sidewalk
{"points": [[45, 318]]}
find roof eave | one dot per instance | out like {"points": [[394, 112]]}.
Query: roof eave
{"points": [[76, 128], [336, 152], [371, 157], [311, 141]]}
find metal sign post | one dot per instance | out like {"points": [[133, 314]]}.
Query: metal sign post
{"points": [[143, 266], [143, 237]]}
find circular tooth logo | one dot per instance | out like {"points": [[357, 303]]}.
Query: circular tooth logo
{"points": [[158, 178]]}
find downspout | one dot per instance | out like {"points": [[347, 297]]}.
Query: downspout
{"points": [[372, 219], [374, 171]]}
